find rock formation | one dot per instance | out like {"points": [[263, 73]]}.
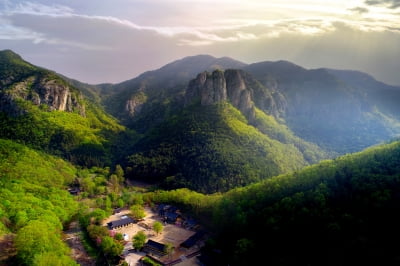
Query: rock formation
{"points": [[41, 91], [237, 87]]}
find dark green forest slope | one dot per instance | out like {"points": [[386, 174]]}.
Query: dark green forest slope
{"points": [[226, 135], [338, 212], [211, 149]]}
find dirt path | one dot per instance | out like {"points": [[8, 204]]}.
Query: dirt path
{"points": [[73, 239]]}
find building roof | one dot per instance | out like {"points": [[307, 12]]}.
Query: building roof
{"points": [[191, 241], [122, 222], [154, 247], [171, 216]]}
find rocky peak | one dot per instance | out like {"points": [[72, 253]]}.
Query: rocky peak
{"points": [[237, 87]]}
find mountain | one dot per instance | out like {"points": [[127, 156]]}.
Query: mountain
{"points": [[149, 92], [341, 111], [23, 81], [225, 135], [41, 109], [201, 122], [318, 113]]}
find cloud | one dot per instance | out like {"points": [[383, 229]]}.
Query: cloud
{"points": [[360, 10], [101, 45], [389, 3]]}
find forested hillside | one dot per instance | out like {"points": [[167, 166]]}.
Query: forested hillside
{"points": [[34, 206], [41, 110], [249, 136], [226, 135], [338, 212]]}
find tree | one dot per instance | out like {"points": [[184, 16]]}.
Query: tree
{"points": [[168, 248], [119, 237], [96, 232], [114, 184], [137, 212], [51, 258], [139, 240], [35, 238], [119, 172], [157, 227], [111, 247]]}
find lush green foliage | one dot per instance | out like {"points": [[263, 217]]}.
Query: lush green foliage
{"points": [[37, 244], [139, 240], [85, 134], [157, 227], [211, 148], [342, 211], [137, 212], [34, 203]]}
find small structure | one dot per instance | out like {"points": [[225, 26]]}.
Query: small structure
{"points": [[191, 241], [120, 223], [162, 208], [155, 248], [171, 217], [190, 224], [74, 191], [168, 213]]}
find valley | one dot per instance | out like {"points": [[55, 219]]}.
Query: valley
{"points": [[274, 161]]}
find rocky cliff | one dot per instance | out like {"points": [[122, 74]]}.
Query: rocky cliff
{"points": [[41, 92], [21, 81], [237, 87]]}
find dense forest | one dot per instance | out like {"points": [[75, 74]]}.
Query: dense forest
{"points": [[338, 212], [34, 205], [240, 151], [214, 148]]}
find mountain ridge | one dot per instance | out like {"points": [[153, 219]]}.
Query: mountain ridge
{"points": [[313, 114]]}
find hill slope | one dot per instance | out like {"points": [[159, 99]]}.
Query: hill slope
{"points": [[40, 109], [338, 212], [225, 136], [342, 111], [34, 205]]}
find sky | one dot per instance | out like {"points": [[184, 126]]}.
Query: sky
{"points": [[98, 41]]}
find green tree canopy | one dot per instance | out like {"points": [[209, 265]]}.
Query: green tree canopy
{"points": [[37, 238], [157, 227], [139, 240], [137, 212]]}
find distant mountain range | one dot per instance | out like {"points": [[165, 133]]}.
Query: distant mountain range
{"points": [[201, 122]]}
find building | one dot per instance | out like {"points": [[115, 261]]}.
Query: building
{"points": [[168, 213], [191, 241], [154, 248], [120, 223]]}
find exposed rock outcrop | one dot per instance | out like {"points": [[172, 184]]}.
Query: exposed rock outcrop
{"points": [[41, 91], [134, 105], [237, 87]]}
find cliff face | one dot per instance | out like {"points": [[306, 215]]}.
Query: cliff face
{"points": [[40, 91], [21, 81], [134, 105], [238, 88]]}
